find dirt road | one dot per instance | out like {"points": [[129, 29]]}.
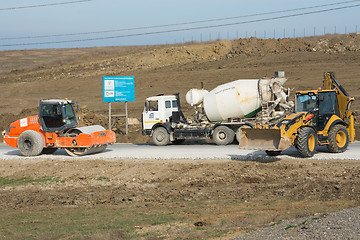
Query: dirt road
{"points": [[187, 151]]}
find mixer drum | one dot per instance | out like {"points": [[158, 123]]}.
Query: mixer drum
{"points": [[237, 99]]}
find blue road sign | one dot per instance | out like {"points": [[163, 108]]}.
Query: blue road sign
{"points": [[118, 89]]}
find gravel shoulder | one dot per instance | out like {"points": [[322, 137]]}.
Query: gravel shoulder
{"points": [[336, 225], [188, 151]]}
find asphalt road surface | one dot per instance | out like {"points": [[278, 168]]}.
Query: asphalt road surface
{"points": [[193, 151]]}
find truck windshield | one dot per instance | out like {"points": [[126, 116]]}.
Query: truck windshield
{"points": [[152, 106], [306, 102]]}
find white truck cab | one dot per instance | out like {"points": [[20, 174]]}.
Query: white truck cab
{"points": [[163, 120], [158, 110]]}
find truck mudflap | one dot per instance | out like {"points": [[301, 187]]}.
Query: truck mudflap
{"points": [[263, 139]]}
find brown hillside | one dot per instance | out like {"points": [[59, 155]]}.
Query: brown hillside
{"points": [[30, 75]]}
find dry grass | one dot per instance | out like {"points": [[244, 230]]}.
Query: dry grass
{"points": [[207, 219]]}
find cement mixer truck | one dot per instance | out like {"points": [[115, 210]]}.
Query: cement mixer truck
{"points": [[218, 114]]}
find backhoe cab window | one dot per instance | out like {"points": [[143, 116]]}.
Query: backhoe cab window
{"points": [[328, 103], [152, 106], [305, 103]]}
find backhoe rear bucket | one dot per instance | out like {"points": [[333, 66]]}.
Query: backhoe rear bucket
{"points": [[263, 139]]}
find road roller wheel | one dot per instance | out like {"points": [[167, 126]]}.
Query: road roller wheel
{"points": [[30, 143], [75, 151], [85, 151], [81, 151]]}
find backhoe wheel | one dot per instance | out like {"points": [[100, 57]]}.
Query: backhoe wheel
{"points": [[223, 135], [272, 153], [306, 142], [48, 150], [161, 137], [30, 143], [338, 139]]}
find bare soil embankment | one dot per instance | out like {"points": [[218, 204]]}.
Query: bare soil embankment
{"points": [[131, 180], [200, 199]]}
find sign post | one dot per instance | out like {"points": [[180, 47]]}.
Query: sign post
{"points": [[118, 89]]}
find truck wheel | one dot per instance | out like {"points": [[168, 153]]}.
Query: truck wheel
{"points": [[161, 136], [338, 139], [272, 153], [306, 142], [48, 150], [223, 135], [30, 143]]}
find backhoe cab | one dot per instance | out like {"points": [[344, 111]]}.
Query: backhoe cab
{"points": [[321, 117]]}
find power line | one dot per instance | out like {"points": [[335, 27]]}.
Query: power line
{"points": [[43, 5], [183, 29], [177, 24]]}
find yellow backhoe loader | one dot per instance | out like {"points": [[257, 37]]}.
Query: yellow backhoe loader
{"points": [[321, 117]]}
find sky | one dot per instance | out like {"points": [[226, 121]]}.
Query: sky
{"points": [[21, 27]]}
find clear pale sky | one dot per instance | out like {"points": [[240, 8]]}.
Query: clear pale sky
{"points": [[103, 15]]}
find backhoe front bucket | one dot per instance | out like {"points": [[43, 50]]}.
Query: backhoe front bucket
{"points": [[263, 139]]}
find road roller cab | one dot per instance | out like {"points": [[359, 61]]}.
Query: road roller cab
{"points": [[56, 127], [57, 115]]}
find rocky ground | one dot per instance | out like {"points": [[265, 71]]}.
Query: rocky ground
{"points": [[339, 225]]}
